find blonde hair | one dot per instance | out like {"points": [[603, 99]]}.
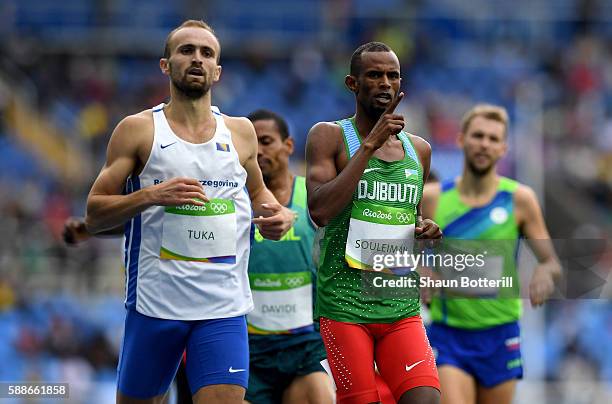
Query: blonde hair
{"points": [[186, 24], [487, 111]]}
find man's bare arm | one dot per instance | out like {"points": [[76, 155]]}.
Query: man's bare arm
{"points": [[75, 231], [429, 203], [531, 222], [426, 227], [328, 191], [107, 208]]}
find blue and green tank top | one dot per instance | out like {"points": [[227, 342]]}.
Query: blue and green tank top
{"points": [[493, 229]]}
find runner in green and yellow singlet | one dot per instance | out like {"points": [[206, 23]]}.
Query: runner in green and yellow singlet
{"points": [[285, 346], [364, 179], [475, 332]]}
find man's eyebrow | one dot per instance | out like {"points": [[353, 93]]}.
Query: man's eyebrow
{"points": [[195, 45]]}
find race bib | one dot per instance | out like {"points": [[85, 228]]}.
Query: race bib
{"points": [[375, 232], [200, 233], [283, 303]]}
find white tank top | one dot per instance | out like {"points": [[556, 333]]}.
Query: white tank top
{"points": [[190, 263]]}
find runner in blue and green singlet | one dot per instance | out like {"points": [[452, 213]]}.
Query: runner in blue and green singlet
{"points": [[475, 330]]}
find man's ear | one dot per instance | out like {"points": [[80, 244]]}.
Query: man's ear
{"points": [[217, 74], [164, 66], [505, 149], [289, 145], [459, 140], [351, 83]]}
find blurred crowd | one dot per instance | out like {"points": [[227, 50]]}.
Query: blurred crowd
{"points": [[548, 63]]}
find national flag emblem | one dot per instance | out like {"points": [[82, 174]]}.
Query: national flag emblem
{"points": [[223, 147], [513, 343], [410, 172]]}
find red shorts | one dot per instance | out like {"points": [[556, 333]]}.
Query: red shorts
{"points": [[401, 350]]}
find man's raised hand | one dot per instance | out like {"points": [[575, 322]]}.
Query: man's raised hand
{"points": [[388, 124]]}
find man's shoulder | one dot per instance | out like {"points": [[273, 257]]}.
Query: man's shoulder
{"points": [[136, 129], [241, 129], [141, 121], [419, 143], [523, 194], [329, 130], [240, 124]]}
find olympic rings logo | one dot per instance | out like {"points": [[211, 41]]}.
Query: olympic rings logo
{"points": [[218, 208], [294, 282], [403, 217]]}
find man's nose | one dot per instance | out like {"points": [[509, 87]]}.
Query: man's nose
{"points": [[197, 58], [384, 82]]}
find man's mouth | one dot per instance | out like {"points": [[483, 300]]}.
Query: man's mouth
{"points": [[383, 98], [195, 71]]}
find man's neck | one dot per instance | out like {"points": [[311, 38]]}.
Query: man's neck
{"points": [[281, 185], [473, 185], [364, 122], [192, 113]]}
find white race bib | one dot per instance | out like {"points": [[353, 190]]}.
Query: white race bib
{"points": [[283, 302], [200, 233], [376, 231]]}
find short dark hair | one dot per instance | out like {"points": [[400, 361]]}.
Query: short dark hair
{"points": [[265, 114], [186, 24], [367, 47]]}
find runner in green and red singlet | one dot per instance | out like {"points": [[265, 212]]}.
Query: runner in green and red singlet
{"points": [[364, 179]]}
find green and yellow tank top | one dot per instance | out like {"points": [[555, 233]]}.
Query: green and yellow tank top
{"points": [[281, 275]]}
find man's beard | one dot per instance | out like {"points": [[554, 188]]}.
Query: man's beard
{"points": [[192, 91], [266, 177], [373, 111], [267, 174], [479, 171]]}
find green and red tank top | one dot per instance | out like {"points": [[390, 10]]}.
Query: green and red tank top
{"points": [[379, 220]]}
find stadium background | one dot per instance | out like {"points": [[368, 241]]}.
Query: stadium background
{"points": [[71, 69]]}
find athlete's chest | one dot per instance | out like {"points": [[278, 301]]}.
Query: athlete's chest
{"points": [[496, 219], [391, 151]]}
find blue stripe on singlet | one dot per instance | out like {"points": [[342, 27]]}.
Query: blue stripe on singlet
{"points": [[350, 135], [133, 252]]}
